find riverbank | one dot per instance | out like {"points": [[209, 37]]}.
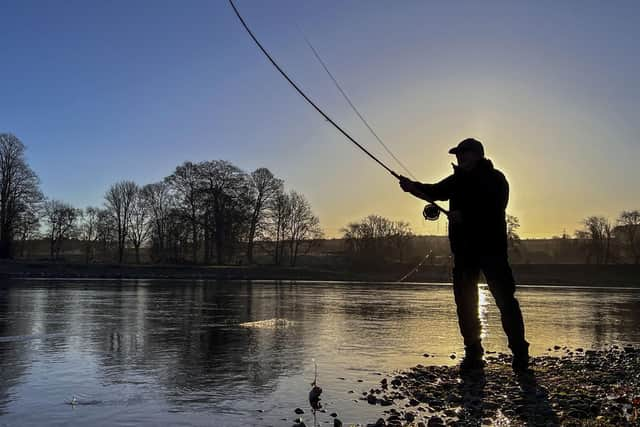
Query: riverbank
{"points": [[526, 274], [567, 387]]}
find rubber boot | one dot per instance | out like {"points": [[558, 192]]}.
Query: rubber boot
{"points": [[472, 359], [520, 362]]}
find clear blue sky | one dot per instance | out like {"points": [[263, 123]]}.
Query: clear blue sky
{"points": [[103, 91]]}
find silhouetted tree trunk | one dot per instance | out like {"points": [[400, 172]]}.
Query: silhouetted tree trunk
{"points": [[185, 183], [19, 189], [28, 225], [61, 219], [159, 203], [280, 213], [223, 187], [206, 226], [138, 222], [89, 231], [303, 224], [265, 187], [120, 198]]}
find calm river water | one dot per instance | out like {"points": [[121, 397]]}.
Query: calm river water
{"points": [[210, 353]]}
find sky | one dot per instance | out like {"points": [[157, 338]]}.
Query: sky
{"points": [[104, 91]]}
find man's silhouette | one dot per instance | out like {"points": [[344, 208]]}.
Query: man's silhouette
{"points": [[478, 196]]}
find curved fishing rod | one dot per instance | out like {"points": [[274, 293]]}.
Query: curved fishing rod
{"points": [[354, 108], [318, 109], [295, 86]]}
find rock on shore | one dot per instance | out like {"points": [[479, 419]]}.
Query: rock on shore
{"points": [[566, 387]]}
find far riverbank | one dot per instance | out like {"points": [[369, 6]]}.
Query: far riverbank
{"points": [[526, 274]]}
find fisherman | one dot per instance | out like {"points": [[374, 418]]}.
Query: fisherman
{"points": [[478, 196]]}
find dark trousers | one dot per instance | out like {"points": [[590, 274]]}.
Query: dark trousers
{"points": [[496, 269]]}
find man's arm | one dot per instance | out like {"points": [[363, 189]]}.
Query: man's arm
{"points": [[429, 192], [497, 196]]}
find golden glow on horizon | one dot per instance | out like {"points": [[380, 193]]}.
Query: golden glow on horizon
{"points": [[548, 160]]}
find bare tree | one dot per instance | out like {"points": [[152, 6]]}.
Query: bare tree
{"points": [[376, 239], [629, 227], [303, 225], [280, 212], [19, 189], [400, 238], [513, 224], [139, 223], [177, 235], [119, 201], [513, 238], [185, 185], [159, 203], [597, 234], [88, 231], [106, 232], [265, 188], [61, 221], [224, 188], [27, 227]]}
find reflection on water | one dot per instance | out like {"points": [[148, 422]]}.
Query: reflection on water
{"points": [[240, 353]]}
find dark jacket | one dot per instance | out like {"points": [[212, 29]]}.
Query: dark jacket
{"points": [[481, 196]]}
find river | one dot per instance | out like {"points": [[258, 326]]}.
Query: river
{"points": [[91, 352]]}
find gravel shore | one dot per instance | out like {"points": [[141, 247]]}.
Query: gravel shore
{"points": [[566, 387]]}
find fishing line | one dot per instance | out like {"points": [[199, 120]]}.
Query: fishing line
{"points": [[313, 104], [410, 273], [354, 108], [295, 86]]}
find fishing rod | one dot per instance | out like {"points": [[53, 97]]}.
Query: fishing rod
{"points": [[429, 210], [295, 86]]}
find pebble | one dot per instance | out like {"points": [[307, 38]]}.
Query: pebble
{"points": [[593, 386], [435, 421]]}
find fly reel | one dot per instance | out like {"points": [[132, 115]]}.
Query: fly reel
{"points": [[431, 212]]}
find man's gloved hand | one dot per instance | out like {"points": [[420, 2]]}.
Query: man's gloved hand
{"points": [[406, 184]]}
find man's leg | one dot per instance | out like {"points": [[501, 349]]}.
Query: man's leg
{"points": [[466, 273], [502, 286]]}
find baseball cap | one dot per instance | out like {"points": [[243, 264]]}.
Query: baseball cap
{"points": [[469, 144]]}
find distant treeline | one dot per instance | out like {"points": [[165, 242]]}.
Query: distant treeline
{"points": [[376, 240], [207, 212], [213, 212]]}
